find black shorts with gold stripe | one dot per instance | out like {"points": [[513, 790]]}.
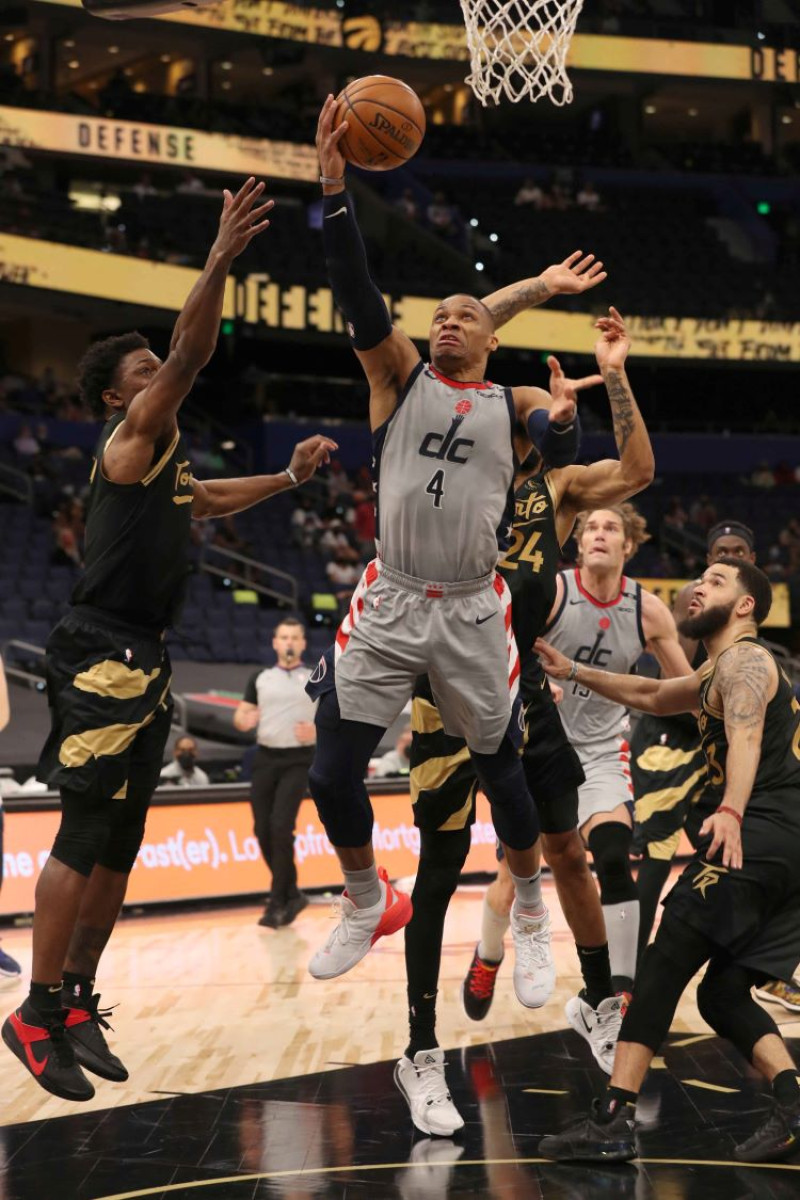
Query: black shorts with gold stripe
{"points": [[668, 771], [110, 706], [443, 780]]}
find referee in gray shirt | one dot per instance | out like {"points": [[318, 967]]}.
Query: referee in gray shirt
{"points": [[275, 704]]}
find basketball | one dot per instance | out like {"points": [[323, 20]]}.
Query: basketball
{"points": [[386, 122]]}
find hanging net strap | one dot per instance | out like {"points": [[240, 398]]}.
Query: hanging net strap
{"points": [[518, 48]]}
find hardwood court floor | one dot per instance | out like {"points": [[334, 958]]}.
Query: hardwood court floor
{"points": [[249, 1081], [208, 999]]}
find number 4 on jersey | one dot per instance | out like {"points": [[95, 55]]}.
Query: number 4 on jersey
{"points": [[435, 488]]}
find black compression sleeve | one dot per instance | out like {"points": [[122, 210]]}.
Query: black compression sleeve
{"points": [[368, 320]]}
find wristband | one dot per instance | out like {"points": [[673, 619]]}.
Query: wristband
{"points": [[573, 671], [329, 181], [724, 808], [288, 471]]}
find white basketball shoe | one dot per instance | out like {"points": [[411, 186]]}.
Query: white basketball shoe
{"points": [[534, 968], [359, 929], [423, 1084], [599, 1026]]}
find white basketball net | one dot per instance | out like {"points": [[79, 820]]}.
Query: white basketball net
{"points": [[518, 48]]}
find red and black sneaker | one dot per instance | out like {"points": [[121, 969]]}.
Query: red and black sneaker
{"points": [[85, 1024], [42, 1046], [477, 990]]}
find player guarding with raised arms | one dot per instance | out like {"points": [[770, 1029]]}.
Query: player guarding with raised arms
{"points": [[108, 670], [432, 601]]}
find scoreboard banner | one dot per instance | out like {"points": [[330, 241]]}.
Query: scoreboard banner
{"points": [[427, 40], [207, 849], [96, 137], [260, 301], [779, 615]]}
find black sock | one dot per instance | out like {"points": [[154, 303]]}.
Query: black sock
{"points": [[612, 1100], [596, 972], [785, 1088], [78, 987], [44, 999], [422, 1026]]}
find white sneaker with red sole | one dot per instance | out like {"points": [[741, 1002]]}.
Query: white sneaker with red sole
{"points": [[359, 929]]}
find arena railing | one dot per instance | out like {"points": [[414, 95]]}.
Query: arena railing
{"points": [[241, 569]]}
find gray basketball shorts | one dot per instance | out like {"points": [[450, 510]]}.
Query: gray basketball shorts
{"points": [[459, 634], [607, 767]]}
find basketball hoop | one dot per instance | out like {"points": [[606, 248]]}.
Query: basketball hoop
{"points": [[518, 48]]}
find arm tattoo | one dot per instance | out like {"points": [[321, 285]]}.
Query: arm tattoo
{"points": [[743, 681], [523, 296], [622, 408]]}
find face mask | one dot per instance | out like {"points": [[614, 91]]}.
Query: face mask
{"points": [[186, 759]]}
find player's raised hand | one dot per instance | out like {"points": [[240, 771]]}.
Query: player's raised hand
{"points": [[725, 832], [611, 348], [309, 455], [243, 216], [554, 663], [332, 162], [565, 391], [578, 272]]}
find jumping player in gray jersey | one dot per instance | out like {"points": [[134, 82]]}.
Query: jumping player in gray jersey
{"points": [[432, 601]]}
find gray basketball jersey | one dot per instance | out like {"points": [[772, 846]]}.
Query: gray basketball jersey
{"points": [[443, 466], [608, 636]]}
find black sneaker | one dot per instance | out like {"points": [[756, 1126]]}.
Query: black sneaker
{"points": [[777, 1137], [292, 909], [477, 990], [271, 916], [85, 1024], [42, 1046], [587, 1140]]}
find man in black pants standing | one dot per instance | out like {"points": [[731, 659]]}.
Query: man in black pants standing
{"points": [[275, 703], [108, 670], [737, 911]]}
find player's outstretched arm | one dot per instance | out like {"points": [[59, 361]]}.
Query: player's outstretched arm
{"points": [[611, 481], [663, 697], [661, 637], [745, 681], [194, 339], [224, 497], [577, 273], [386, 354]]}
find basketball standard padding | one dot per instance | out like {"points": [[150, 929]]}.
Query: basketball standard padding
{"points": [[126, 10], [386, 122]]}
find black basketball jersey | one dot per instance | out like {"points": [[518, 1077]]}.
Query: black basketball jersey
{"points": [[776, 788], [137, 538], [530, 565]]}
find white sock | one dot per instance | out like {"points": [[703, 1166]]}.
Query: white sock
{"points": [[622, 930], [493, 928], [363, 887], [528, 892]]}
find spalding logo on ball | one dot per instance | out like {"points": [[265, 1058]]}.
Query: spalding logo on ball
{"points": [[124, 10], [385, 122]]}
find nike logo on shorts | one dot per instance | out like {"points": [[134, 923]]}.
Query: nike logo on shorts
{"points": [[482, 620], [338, 212]]}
